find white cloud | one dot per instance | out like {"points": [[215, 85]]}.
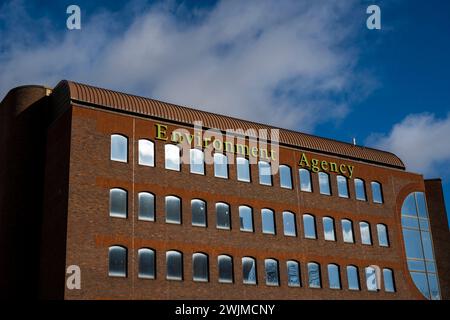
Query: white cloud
{"points": [[287, 63], [422, 141]]}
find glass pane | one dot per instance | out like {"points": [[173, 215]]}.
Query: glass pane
{"points": [[271, 267], [371, 279], [293, 274], [342, 186], [427, 246], [289, 224], [246, 218], [117, 261], [197, 161], [413, 244], [305, 180], [388, 280], [328, 229], [174, 263], [376, 192], [248, 270], [424, 225], [265, 175], [146, 206], [220, 165], [434, 286], [172, 157], [365, 233], [118, 203], [198, 212], [146, 263], [223, 216], [173, 210], [360, 190], [409, 206], [309, 226], [225, 269], [409, 222], [200, 267], [324, 183], [146, 153], [334, 277], [420, 280], [421, 205], [382, 235], [285, 177], [313, 275], [268, 223], [243, 169], [431, 267], [353, 278], [347, 231], [416, 265], [119, 148]]}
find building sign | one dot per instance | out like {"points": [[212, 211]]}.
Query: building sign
{"points": [[316, 165]]}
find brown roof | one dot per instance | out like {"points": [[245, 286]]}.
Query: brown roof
{"points": [[102, 98]]}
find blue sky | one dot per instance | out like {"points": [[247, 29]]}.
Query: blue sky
{"points": [[312, 66]]}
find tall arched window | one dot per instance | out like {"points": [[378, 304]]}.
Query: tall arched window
{"points": [[360, 190], [146, 153], [265, 173], [388, 277], [243, 169], [353, 278], [383, 239], [117, 261], [174, 265], [377, 193], [285, 177], [268, 221], [146, 258], [364, 228], [314, 275], [249, 270], [225, 267], [200, 267], [220, 166], [223, 216], [119, 148], [334, 278], [293, 273], [146, 210], [309, 226], [342, 186], [173, 210], [172, 157], [118, 203], [246, 218], [289, 224], [197, 161], [305, 180], [347, 231], [324, 183], [271, 266], [198, 212], [328, 229], [373, 278]]}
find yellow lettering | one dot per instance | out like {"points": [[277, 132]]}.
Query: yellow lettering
{"points": [[242, 149], [228, 146], [254, 152], [263, 153], [217, 144], [315, 167], [350, 171], [324, 165], [342, 169], [305, 160], [272, 154], [161, 132]]}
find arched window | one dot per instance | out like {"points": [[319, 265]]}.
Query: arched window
{"points": [[324, 183], [174, 265], [360, 190], [347, 231], [328, 229], [197, 161], [342, 186], [271, 266], [173, 210], [118, 203], [146, 153], [285, 177], [200, 267], [220, 166], [353, 278], [364, 228], [373, 278], [172, 156], [305, 180], [119, 148], [309, 226], [249, 270], [243, 169], [334, 277], [383, 239], [268, 221], [146, 258], [377, 193], [225, 267], [117, 261], [246, 218], [223, 216], [314, 275], [198, 212], [146, 210], [289, 224], [388, 277], [293, 273], [265, 173]]}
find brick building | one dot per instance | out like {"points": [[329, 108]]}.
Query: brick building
{"points": [[96, 179]]}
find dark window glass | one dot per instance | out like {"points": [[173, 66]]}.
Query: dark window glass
{"points": [[118, 203], [174, 264], [249, 270], [198, 212], [200, 267], [117, 261], [225, 265], [271, 267], [146, 206], [146, 259], [223, 216], [173, 210]]}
